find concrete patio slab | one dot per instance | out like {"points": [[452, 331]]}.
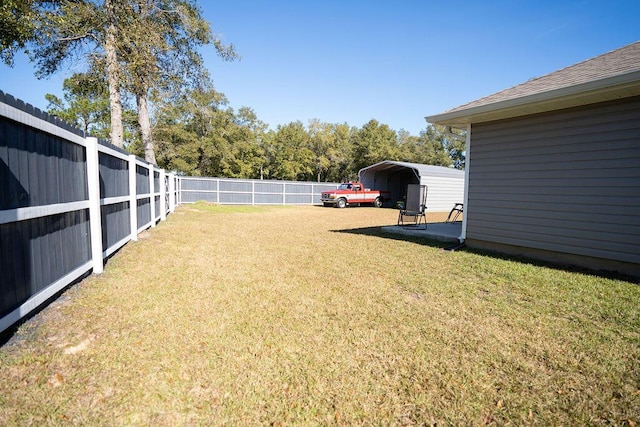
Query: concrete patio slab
{"points": [[440, 231]]}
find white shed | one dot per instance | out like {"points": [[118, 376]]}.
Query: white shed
{"points": [[445, 185]]}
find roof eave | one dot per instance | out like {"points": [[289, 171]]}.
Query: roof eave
{"points": [[616, 87]]}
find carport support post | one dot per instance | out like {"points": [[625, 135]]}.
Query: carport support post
{"points": [[95, 215], [467, 161]]}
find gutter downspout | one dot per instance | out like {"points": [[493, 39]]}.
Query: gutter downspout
{"points": [[467, 148]]}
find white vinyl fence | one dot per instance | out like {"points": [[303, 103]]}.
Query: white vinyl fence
{"points": [[251, 192]]}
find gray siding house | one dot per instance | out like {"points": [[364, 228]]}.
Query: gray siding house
{"points": [[553, 165]]}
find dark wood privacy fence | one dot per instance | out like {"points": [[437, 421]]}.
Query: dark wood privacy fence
{"points": [[66, 203]]}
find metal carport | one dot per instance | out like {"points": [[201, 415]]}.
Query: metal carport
{"points": [[445, 185]]}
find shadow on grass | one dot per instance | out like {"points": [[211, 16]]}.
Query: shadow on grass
{"points": [[425, 241], [567, 268], [377, 232]]}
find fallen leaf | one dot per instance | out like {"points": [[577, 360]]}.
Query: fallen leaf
{"points": [[56, 380]]}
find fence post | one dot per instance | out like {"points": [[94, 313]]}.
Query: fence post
{"points": [[95, 217], [177, 190], [163, 196], [133, 199], [172, 192], [152, 196], [253, 193], [284, 193]]}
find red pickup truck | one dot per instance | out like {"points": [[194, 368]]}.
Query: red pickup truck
{"points": [[353, 193]]}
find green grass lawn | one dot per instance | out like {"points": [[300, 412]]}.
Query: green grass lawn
{"points": [[291, 316]]}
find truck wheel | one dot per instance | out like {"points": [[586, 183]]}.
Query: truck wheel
{"points": [[377, 202], [341, 203]]}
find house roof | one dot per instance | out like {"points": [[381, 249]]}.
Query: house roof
{"points": [[418, 168], [610, 76]]}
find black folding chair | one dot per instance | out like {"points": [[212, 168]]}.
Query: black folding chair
{"points": [[415, 207]]}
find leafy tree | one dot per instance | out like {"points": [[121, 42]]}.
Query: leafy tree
{"points": [[17, 27], [409, 146], [341, 168], [427, 148], [374, 143], [321, 145], [200, 135], [245, 141], [143, 46], [85, 104], [293, 157], [330, 145], [81, 31], [183, 132], [160, 51]]}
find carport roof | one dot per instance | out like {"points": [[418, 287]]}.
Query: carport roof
{"points": [[418, 168], [610, 76]]}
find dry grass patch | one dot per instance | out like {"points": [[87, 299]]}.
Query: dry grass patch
{"points": [[278, 316]]}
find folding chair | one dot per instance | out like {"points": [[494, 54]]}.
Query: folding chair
{"points": [[415, 207], [458, 208]]}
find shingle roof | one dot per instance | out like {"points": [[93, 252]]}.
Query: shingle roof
{"points": [[619, 62]]}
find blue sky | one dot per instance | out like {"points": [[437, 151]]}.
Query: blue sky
{"points": [[395, 61]]}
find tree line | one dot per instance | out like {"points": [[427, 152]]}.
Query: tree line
{"points": [[145, 88], [200, 134]]}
